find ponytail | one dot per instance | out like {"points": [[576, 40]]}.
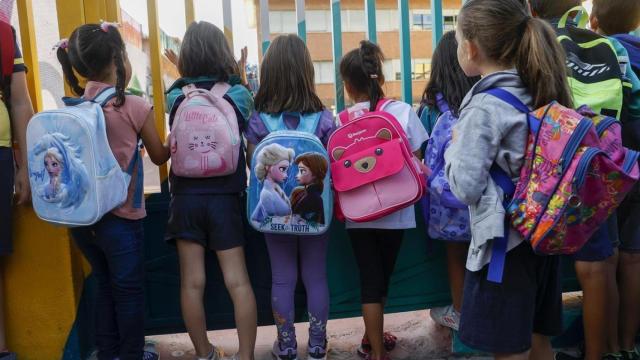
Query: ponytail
{"points": [[509, 36], [541, 64], [90, 52], [69, 74], [362, 69]]}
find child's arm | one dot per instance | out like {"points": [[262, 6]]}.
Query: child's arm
{"points": [[250, 149], [21, 112], [158, 152]]}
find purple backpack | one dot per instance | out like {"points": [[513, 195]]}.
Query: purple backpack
{"points": [[446, 217]]}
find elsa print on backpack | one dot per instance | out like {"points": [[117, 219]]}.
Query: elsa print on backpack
{"points": [[287, 192]]}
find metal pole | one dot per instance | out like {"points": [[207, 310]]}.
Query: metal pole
{"points": [[370, 14], [405, 51], [336, 25]]}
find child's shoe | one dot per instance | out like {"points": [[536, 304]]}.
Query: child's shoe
{"points": [[630, 355], [146, 355], [214, 354], [388, 338], [446, 316], [280, 353], [318, 352]]}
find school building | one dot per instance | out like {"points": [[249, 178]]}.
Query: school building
{"points": [[282, 19]]}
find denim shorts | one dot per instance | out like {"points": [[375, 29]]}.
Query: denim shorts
{"points": [[629, 221], [6, 200], [602, 244], [501, 318], [213, 221]]}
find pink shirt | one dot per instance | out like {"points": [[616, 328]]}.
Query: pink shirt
{"points": [[123, 126]]}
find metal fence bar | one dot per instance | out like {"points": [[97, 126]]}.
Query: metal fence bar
{"points": [[301, 20], [370, 15], [405, 51], [264, 25], [336, 26], [437, 21], [228, 22]]}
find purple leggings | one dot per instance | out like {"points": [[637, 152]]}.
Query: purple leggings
{"points": [[311, 251]]}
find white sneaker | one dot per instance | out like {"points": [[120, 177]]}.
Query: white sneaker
{"points": [[446, 316]]}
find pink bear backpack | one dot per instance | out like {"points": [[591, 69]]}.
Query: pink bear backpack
{"points": [[575, 174], [373, 169], [205, 138]]}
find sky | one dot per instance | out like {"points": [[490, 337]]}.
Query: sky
{"points": [[172, 19]]}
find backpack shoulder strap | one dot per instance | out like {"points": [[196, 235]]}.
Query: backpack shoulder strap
{"points": [[442, 103], [582, 17], [6, 49], [220, 89], [105, 96], [273, 122], [309, 122], [382, 103], [343, 117], [509, 98]]}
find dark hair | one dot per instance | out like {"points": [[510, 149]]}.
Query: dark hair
{"points": [[317, 164], [206, 52], [90, 52], [617, 16], [551, 9], [447, 77], [507, 35], [287, 78], [362, 69]]}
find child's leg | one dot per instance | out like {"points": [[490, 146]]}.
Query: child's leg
{"points": [[236, 278], [192, 284], [629, 287], [283, 253], [613, 307], [593, 279], [541, 348], [313, 261], [106, 327], [456, 259], [122, 242]]}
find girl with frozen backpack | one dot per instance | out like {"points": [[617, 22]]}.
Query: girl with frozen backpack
{"points": [[114, 245], [287, 104], [376, 243], [446, 217], [209, 108]]}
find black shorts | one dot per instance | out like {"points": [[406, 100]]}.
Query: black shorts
{"points": [[6, 200], [602, 244], [628, 220], [214, 221], [501, 318]]}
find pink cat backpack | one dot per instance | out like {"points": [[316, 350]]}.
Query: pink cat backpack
{"points": [[373, 169], [205, 139], [575, 174]]}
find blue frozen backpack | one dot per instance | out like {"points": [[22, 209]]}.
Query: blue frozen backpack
{"points": [[289, 188], [75, 178], [446, 216]]}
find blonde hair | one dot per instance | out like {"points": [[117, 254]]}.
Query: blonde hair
{"points": [[54, 153], [269, 156]]}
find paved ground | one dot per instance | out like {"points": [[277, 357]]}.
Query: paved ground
{"points": [[419, 338]]}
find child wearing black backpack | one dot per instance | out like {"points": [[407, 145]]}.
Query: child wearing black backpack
{"points": [[616, 19], [447, 218]]}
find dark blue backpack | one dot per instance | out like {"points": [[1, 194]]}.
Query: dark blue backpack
{"points": [[446, 217]]}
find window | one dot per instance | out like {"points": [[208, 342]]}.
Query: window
{"points": [[450, 22], [318, 20], [324, 72], [420, 20], [353, 21], [392, 70], [421, 69], [281, 22], [387, 20]]}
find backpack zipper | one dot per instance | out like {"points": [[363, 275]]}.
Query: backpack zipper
{"points": [[574, 143]]}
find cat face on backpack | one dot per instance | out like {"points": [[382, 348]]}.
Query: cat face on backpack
{"points": [[202, 142], [364, 163]]}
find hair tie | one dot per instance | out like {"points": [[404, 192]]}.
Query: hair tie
{"points": [[62, 44], [373, 76], [105, 25]]}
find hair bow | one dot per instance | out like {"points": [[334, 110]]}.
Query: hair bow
{"points": [[62, 44], [105, 25]]}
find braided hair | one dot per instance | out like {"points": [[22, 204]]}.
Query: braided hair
{"points": [[362, 69]]}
